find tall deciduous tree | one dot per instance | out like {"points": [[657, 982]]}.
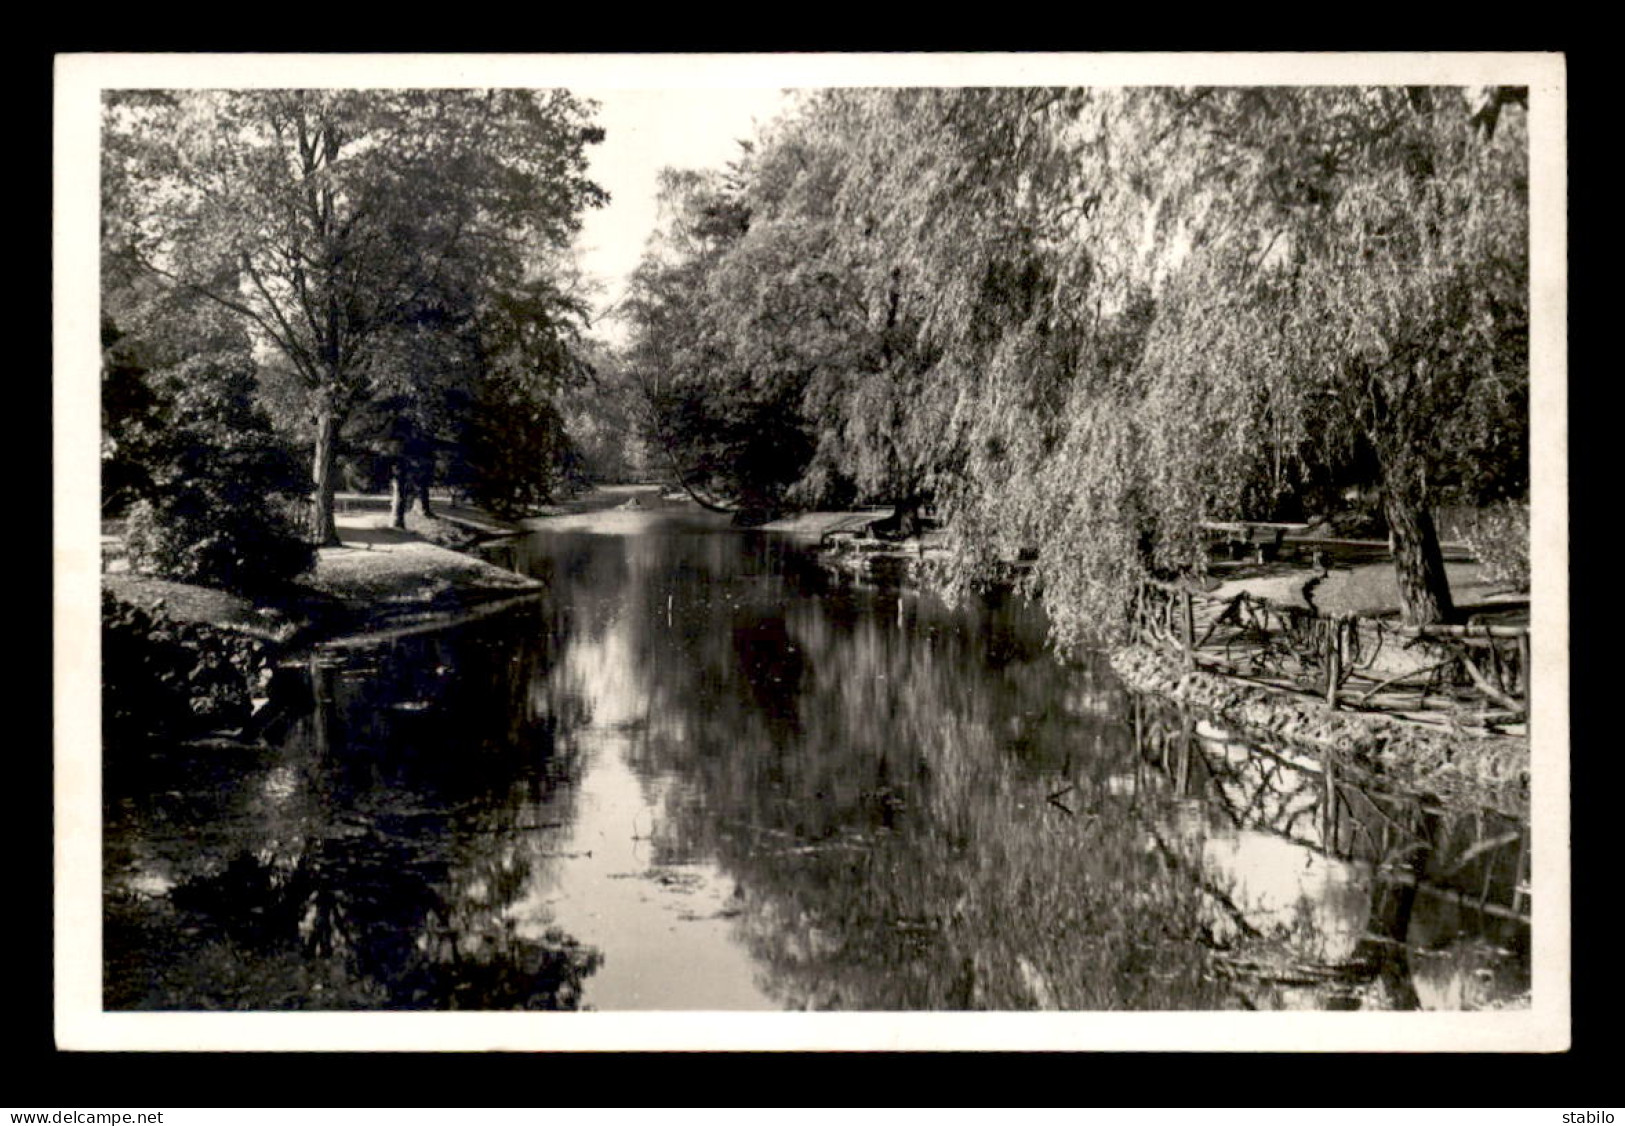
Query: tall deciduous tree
{"points": [[322, 218], [518, 452], [1090, 321]]}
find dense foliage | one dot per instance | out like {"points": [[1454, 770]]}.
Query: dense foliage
{"points": [[721, 418], [518, 452], [363, 238], [1498, 537], [1081, 323]]}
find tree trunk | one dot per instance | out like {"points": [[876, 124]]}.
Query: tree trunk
{"points": [[677, 471], [904, 522], [421, 479], [323, 531], [1391, 920], [908, 516], [1424, 589], [1389, 923], [397, 496]]}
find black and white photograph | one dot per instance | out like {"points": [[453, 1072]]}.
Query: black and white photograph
{"points": [[811, 551]]}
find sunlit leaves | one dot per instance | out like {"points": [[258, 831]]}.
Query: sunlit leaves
{"points": [[338, 225]]}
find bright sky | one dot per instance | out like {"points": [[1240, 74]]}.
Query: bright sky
{"points": [[645, 131]]}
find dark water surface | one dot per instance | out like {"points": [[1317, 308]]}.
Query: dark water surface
{"points": [[701, 774]]}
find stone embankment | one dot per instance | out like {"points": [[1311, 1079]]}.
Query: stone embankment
{"points": [[1455, 764]]}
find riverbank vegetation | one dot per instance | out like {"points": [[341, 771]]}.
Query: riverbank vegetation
{"points": [[1080, 324], [381, 279], [1072, 327]]}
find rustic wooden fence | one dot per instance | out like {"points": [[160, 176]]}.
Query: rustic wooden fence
{"points": [[1350, 661]]}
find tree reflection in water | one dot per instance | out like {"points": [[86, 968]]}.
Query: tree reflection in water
{"points": [[875, 785], [370, 861], [923, 811], [1341, 893]]}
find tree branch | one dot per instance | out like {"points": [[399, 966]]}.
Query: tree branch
{"points": [[248, 264], [288, 346]]}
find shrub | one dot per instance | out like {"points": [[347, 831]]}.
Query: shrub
{"points": [[1498, 538], [214, 541], [217, 510]]}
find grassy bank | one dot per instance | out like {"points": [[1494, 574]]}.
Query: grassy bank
{"points": [[375, 574]]}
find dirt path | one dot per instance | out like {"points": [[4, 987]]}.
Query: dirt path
{"points": [[1360, 580]]}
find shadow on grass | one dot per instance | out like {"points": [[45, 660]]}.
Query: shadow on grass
{"points": [[350, 535]]}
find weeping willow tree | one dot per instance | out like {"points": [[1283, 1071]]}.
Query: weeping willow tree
{"points": [[1355, 286], [996, 251], [1083, 323], [1135, 311]]}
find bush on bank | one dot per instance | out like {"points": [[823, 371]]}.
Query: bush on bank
{"points": [[1498, 538], [219, 506]]}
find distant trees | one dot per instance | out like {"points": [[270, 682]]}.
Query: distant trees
{"points": [[1087, 321], [714, 413], [603, 421], [352, 234], [518, 452]]}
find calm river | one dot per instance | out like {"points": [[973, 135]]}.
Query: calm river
{"points": [[700, 773]]}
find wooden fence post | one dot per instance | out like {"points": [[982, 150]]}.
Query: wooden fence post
{"points": [[1518, 877], [1190, 630], [1334, 661], [1328, 812], [1527, 671]]}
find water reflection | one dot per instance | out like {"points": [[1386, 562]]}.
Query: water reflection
{"points": [[704, 774], [368, 860], [871, 771], [1334, 892]]}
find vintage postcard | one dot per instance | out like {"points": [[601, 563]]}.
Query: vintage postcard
{"points": [[790, 552]]}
